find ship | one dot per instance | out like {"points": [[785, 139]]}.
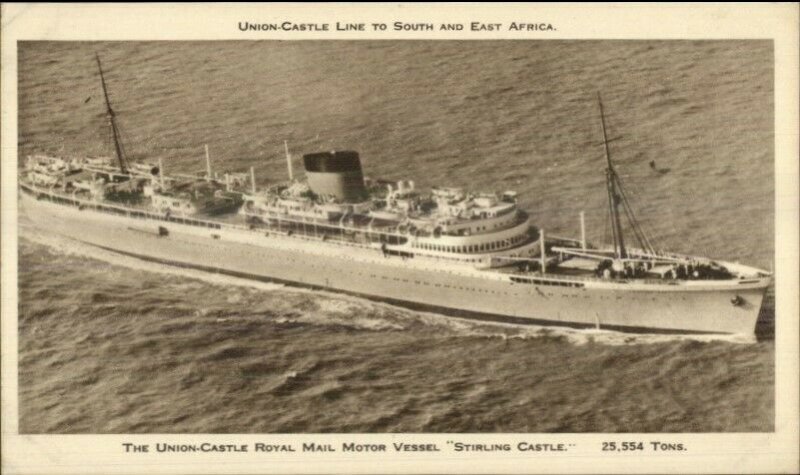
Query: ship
{"points": [[447, 249]]}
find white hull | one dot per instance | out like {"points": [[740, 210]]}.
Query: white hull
{"points": [[694, 306]]}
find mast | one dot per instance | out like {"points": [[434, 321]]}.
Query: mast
{"points": [[123, 164], [208, 165], [613, 193], [288, 159], [583, 231], [542, 251]]}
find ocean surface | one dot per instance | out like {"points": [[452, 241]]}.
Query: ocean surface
{"points": [[110, 344]]}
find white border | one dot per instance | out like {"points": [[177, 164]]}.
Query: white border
{"points": [[733, 453]]}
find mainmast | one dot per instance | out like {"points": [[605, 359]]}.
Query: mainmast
{"points": [[123, 163], [614, 197]]}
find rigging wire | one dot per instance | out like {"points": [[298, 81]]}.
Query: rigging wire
{"points": [[636, 190], [638, 231], [607, 228]]}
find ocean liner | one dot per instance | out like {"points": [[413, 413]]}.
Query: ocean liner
{"points": [[446, 249]]}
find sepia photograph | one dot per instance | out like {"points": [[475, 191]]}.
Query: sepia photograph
{"points": [[396, 236], [307, 238]]}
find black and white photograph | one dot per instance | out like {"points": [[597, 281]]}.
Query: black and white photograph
{"points": [[399, 236]]}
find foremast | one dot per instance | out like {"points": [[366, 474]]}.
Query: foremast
{"points": [[613, 186], [618, 205]]}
